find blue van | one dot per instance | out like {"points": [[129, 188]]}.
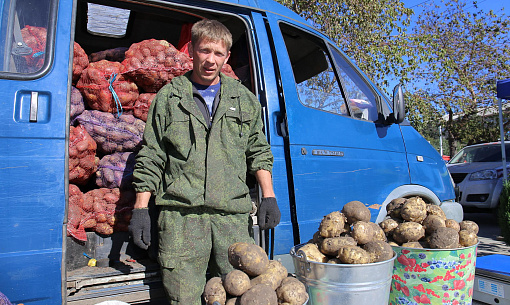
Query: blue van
{"points": [[335, 136]]}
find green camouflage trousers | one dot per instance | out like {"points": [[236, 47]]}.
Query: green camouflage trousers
{"points": [[193, 240]]}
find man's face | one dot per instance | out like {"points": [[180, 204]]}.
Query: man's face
{"points": [[208, 58]]}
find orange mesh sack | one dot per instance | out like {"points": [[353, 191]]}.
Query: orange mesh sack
{"points": [[113, 134], [116, 170], [82, 155], [77, 104], [116, 54], [75, 213], [80, 62], [142, 105], [154, 63], [105, 88], [108, 210], [35, 38], [227, 70]]}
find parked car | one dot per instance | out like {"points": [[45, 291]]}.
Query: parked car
{"points": [[477, 171]]}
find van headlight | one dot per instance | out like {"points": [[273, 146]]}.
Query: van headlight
{"points": [[487, 174]]}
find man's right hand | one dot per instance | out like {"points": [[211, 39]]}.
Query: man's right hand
{"points": [[140, 228]]}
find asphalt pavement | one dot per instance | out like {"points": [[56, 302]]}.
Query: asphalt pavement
{"points": [[489, 237]]}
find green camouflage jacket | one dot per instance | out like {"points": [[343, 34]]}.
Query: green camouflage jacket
{"points": [[185, 163]]}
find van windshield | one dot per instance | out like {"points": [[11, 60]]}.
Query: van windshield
{"points": [[482, 153]]}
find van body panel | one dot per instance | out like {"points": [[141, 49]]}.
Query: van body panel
{"points": [[33, 176]]}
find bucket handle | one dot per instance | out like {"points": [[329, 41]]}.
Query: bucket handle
{"points": [[305, 264]]}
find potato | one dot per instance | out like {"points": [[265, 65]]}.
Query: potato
{"points": [[260, 294], [388, 225], [450, 223], [469, 226], [414, 209], [353, 255], [363, 232], [233, 301], [378, 250], [392, 243], [444, 238], [291, 292], [378, 232], [467, 238], [331, 245], [273, 276], [249, 258], [316, 239], [312, 253], [393, 208], [408, 231], [236, 282], [432, 222], [433, 209], [413, 244], [356, 211], [332, 225], [214, 291], [334, 261]]}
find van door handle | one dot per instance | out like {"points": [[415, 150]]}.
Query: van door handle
{"points": [[34, 104]]}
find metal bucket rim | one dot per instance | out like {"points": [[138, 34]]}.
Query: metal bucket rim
{"points": [[431, 249], [293, 253]]}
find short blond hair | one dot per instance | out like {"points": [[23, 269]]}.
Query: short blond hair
{"points": [[211, 30]]}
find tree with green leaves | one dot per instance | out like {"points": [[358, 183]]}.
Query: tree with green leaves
{"points": [[371, 32], [462, 54]]}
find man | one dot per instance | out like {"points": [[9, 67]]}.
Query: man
{"points": [[203, 134]]}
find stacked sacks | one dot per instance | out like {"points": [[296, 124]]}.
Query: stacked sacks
{"points": [[77, 104], [255, 280], [80, 62], [154, 63], [116, 170], [82, 155], [142, 105], [115, 54], [105, 88], [35, 38]]}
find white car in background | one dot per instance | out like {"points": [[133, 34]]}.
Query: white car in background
{"points": [[477, 171]]}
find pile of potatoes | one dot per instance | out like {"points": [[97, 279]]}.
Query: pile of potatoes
{"points": [[255, 280], [348, 237], [410, 222]]}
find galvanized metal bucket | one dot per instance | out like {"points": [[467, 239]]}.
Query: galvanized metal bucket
{"points": [[344, 284]]}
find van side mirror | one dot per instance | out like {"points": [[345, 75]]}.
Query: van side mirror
{"points": [[399, 110]]}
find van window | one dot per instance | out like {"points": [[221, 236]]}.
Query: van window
{"points": [[315, 78], [24, 30], [362, 101]]}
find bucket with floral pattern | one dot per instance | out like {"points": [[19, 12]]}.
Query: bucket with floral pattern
{"points": [[433, 276]]}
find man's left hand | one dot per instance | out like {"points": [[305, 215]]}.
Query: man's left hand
{"points": [[269, 214]]}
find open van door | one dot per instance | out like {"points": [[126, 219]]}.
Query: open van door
{"points": [[340, 143], [34, 68]]}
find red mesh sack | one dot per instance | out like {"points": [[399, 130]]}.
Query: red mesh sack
{"points": [[116, 170], [116, 54], [77, 104], [108, 210], [82, 155], [105, 88], [154, 63], [74, 214], [227, 70], [111, 133], [35, 38], [142, 105], [80, 61]]}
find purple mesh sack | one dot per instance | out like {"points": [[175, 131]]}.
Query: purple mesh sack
{"points": [[116, 170]]}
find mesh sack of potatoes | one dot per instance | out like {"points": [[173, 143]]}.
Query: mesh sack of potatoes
{"points": [[82, 155], [115, 54], [111, 133], [142, 105], [154, 63], [35, 38], [74, 214], [116, 170], [80, 61], [106, 211], [105, 88], [77, 104]]}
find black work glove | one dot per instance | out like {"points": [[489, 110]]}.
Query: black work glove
{"points": [[140, 228], [269, 214]]}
